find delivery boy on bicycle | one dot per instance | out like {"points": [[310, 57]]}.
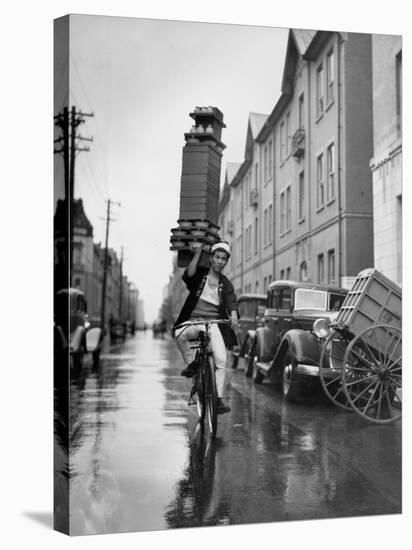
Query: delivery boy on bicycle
{"points": [[211, 296]]}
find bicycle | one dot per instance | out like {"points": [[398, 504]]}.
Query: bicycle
{"points": [[204, 380]]}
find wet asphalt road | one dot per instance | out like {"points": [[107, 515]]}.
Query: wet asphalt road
{"points": [[139, 462]]}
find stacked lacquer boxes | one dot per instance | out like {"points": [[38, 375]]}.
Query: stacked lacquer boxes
{"points": [[200, 185]]}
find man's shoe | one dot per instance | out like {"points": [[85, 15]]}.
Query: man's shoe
{"points": [[190, 370], [221, 407]]}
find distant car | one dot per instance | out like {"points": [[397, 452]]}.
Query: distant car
{"points": [[72, 327], [251, 311], [286, 349]]}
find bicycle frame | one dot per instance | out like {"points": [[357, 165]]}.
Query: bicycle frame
{"points": [[204, 381]]}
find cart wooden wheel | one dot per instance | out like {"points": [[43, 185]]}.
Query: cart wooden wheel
{"points": [[372, 377], [330, 368]]}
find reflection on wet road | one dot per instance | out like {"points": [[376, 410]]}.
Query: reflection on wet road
{"points": [[139, 462]]}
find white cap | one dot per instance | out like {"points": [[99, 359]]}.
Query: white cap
{"points": [[221, 246]]}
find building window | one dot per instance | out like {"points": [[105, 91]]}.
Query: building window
{"points": [[288, 136], [282, 141], [282, 274], [78, 254], [269, 279], [265, 163], [301, 113], [270, 223], [301, 195], [330, 159], [256, 176], [256, 235], [330, 77], [270, 159], [265, 226], [319, 91], [282, 212], [303, 271], [331, 267], [321, 269], [288, 209], [77, 283], [257, 287], [250, 240], [320, 180], [399, 93], [265, 283], [288, 273]]}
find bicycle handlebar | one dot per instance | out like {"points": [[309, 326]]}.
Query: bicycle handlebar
{"points": [[203, 322]]}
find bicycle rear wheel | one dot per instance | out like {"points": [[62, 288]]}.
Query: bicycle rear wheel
{"points": [[211, 395]]}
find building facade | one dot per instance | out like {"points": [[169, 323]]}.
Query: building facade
{"points": [[88, 268], [302, 198], [386, 163]]}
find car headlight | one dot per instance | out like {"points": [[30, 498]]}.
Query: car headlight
{"points": [[321, 327]]}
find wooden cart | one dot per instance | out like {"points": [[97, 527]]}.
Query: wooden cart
{"points": [[361, 359]]}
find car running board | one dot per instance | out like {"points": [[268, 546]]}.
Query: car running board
{"points": [[263, 366]]}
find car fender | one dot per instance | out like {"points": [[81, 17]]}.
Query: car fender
{"points": [[263, 342], [93, 338], [302, 344], [77, 339]]}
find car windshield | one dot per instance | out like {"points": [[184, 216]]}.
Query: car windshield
{"points": [[310, 299], [247, 308], [336, 301]]}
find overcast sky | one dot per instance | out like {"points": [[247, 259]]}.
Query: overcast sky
{"points": [[141, 78]]}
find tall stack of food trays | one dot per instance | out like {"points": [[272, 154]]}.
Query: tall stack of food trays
{"points": [[200, 186]]}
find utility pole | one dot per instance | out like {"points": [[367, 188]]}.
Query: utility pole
{"points": [[69, 125], [105, 265], [121, 287]]}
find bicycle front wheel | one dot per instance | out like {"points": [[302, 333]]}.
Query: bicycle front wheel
{"points": [[201, 395], [211, 395]]}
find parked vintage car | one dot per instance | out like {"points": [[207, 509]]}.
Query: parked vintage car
{"points": [[286, 349], [72, 328], [251, 311]]}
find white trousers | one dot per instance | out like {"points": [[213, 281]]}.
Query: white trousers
{"points": [[183, 335]]}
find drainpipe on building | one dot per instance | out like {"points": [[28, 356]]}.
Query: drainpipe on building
{"points": [[308, 172], [274, 205], [241, 238], [339, 162]]}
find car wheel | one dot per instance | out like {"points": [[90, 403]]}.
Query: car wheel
{"points": [[77, 359], [96, 358], [248, 358], [290, 383], [234, 360], [258, 375]]}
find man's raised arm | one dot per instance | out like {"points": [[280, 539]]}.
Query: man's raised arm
{"points": [[197, 251]]}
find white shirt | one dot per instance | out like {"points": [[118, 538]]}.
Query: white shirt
{"points": [[210, 294]]}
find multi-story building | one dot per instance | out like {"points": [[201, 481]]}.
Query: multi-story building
{"points": [[88, 267], [244, 210], [323, 127], [386, 163], [226, 212], [302, 198]]}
